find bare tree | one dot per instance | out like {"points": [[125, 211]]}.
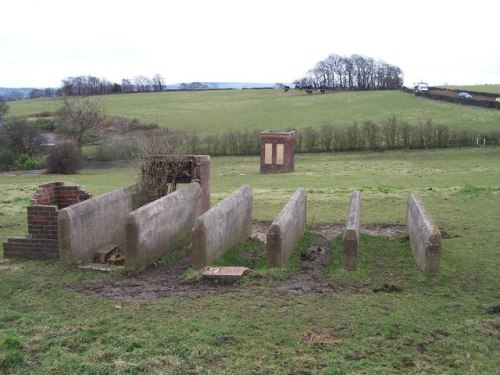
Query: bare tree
{"points": [[158, 82], [127, 85], [143, 83], [81, 119], [354, 71]]}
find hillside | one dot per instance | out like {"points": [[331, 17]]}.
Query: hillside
{"points": [[214, 112]]}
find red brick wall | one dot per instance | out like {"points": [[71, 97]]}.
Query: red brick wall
{"points": [[42, 240], [275, 138], [45, 194], [68, 195]]}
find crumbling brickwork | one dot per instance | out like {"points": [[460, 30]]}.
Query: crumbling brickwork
{"points": [[42, 241]]}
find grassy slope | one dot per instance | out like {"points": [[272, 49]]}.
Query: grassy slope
{"points": [[436, 325], [495, 89], [214, 112]]}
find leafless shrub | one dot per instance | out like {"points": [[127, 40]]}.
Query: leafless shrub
{"points": [[162, 164]]}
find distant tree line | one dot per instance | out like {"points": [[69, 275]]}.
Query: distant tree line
{"points": [[199, 86], [90, 85], [352, 72]]}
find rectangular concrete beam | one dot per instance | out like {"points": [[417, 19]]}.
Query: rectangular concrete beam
{"points": [[161, 226], [223, 226], [350, 245], [425, 237], [287, 230]]}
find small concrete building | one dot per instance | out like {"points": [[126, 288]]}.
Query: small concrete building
{"points": [[277, 151]]}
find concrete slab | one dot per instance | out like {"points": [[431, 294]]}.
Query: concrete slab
{"points": [[96, 267], [224, 273]]}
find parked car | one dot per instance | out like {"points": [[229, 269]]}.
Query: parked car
{"points": [[497, 99], [464, 95]]}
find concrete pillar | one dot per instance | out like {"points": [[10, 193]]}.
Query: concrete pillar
{"points": [[350, 246]]}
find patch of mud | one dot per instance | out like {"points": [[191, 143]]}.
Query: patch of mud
{"points": [[388, 288], [260, 229], [310, 276], [154, 283], [331, 231], [163, 281]]}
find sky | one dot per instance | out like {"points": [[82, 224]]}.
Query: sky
{"points": [[438, 41]]}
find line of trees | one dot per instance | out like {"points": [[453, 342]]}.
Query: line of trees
{"points": [[352, 72], [391, 134], [90, 85]]}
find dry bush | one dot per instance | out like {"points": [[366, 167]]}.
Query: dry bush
{"points": [[162, 164]]}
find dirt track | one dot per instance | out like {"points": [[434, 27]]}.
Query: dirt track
{"points": [[161, 282], [454, 94]]}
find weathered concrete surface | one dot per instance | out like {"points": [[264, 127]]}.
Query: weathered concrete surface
{"points": [[88, 226], [224, 273], [287, 230], [226, 224], [425, 238], [350, 246], [161, 226]]}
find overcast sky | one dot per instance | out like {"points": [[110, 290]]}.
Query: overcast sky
{"points": [[438, 41]]}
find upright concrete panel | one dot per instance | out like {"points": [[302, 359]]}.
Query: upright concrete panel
{"points": [[90, 225], [161, 226], [425, 238], [287, 230], [350, 247], [222, 227]]}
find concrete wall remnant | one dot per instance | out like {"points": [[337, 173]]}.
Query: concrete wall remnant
{"points": [[161, 226], [223, 226], [425, 237], [277, 151], [42, 241], [287, 230], [88, 226], [350, 246]]}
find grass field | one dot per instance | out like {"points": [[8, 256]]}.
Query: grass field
{"points": [[433, 325], [494, 89], [216, 112]]}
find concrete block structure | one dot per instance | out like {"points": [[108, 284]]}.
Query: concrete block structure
{"points": [[425, 237], [223, 226], [88, 226], [277, 151], [161, 226], [350, 245], [287, 230], [42, 241]]}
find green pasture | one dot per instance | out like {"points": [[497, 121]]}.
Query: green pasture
{"points": [[216, 112], [440, 325], [494, 89]]}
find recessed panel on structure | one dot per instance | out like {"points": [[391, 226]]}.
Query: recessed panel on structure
{"points": [[280, 154], [268, 153]]}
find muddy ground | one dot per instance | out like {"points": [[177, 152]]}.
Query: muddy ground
{"points": [[163, 281]]}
